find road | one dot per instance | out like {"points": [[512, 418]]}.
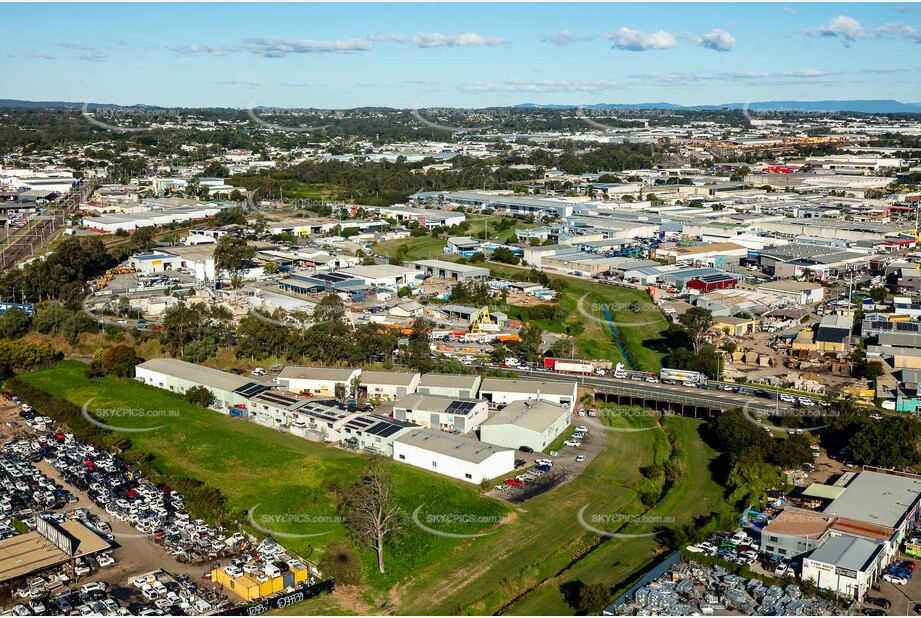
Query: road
{"points": [[670, 392]]}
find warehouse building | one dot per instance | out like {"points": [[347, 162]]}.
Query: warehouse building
{"points": [[459, 457], [846, 564], [451, 270], [179, 376], [373, 433], [440, 412], [319, 381], [527, 423], [459, 386], [799, 292], [382, 275], [387, 385], [503, 391]]}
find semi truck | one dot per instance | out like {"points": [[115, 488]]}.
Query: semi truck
{"points": [[572, 366], [682, 375]]}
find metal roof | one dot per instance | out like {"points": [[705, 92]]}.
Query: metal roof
{"points": [[847, 552], [877, 498], [459, 447], [437, 403], [205, 376], [529, 387], [537, 416], [824, 492]]}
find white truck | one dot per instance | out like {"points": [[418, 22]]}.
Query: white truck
{"points": [[574, 367], [682, 375]]}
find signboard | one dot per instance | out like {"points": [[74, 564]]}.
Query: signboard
{"points": [[281, 601], [846, 572]]}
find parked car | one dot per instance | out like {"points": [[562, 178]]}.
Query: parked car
{"points": [[525, 449], [580, 458], [879, 601], [513, 482], [894, 579]]}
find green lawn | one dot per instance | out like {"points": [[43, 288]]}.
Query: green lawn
{"points": [[418, 248], [617, 562], [289, 478]]}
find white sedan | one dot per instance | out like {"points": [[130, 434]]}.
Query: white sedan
{"points": [[894, 579]]}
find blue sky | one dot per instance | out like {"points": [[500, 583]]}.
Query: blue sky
{"points": [[465, 55]]}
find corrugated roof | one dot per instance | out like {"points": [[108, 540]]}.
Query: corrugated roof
{"points": [[206, 376], [537, 416], [460, 447]]}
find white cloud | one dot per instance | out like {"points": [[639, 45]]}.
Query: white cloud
{"points": [[794, 76], [898, 30], [281, 48], [636, 40], [564, 38], [843, 27], [73, 45], [93, 55], [905, 8], [851, 30], [716, 39], [789, 10], [272, 47], [467, 39], [539, 86], [41, 55]]}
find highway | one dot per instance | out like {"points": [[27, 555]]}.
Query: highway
{"points": [[713, 398]]}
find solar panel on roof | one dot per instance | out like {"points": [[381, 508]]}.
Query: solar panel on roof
{"points": [[251, 389], [461, 408]]}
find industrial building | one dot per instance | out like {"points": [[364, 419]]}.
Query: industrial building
{"points": [[527, 423], [388, 385], [459, 386], [451, 270], [179, 376], [503, 391], [440, 412], [459, 457], [320, 381], [373, 433]]}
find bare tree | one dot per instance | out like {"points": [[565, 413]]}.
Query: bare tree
{"points": [[371, 513]]}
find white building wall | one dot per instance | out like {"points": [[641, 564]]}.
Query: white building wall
{"points": [[493, 466]]}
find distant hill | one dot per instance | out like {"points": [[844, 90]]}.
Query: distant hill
{"points": [[69, 105], [868, 106], [859, 106]]}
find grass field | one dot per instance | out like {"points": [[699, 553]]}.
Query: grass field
{"points": [[418, 248], [282, 474], [547, 548], [617, 562]]}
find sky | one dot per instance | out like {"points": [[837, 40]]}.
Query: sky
{"points": [[422, 55]]}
